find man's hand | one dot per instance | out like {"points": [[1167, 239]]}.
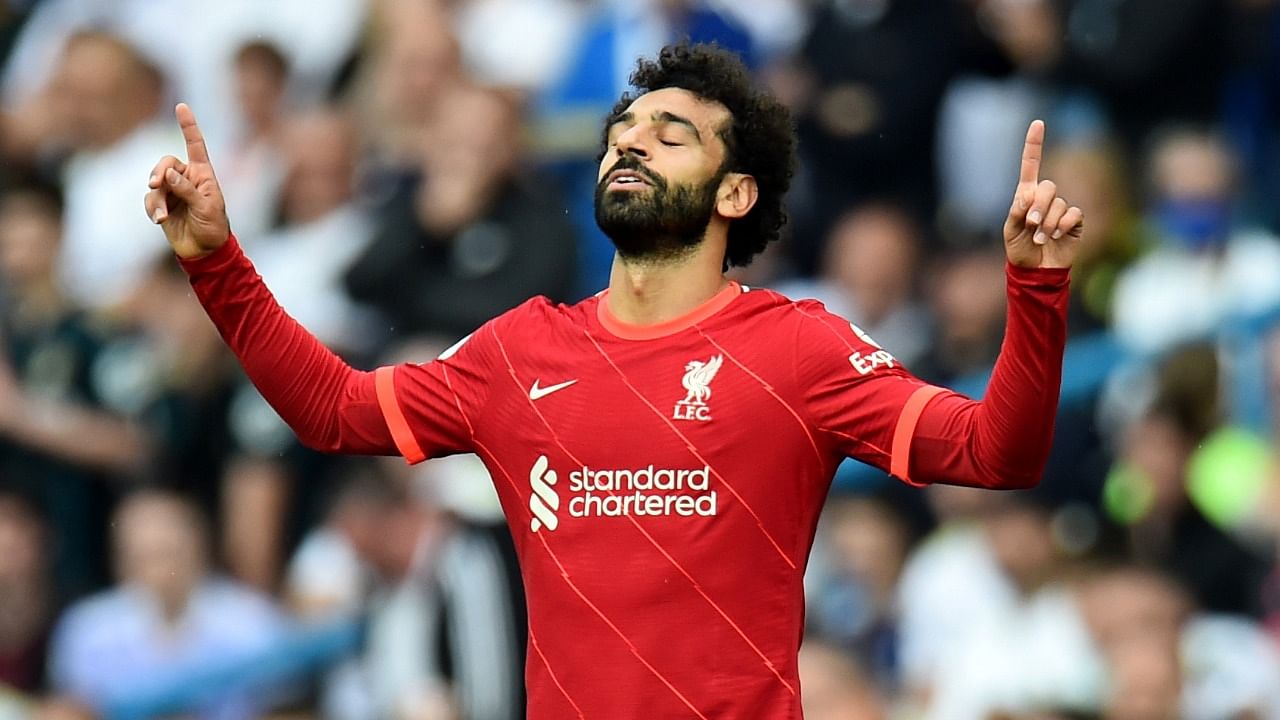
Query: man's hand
{"points": [[185, 198], [1042, 231]]}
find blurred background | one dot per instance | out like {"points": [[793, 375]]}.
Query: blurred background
{"points": [[402, 170]]}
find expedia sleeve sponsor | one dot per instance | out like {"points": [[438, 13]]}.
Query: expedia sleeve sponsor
{"points": [[866, 363]]}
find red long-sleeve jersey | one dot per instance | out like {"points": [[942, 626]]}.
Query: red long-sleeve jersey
{"points": [[662, 483]]}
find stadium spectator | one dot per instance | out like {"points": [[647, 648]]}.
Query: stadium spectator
{"points": [[112, 95], [253, 157], [409, 65], [325, 579], [987, 101], [1165, 658], [327, 582], [169, 614], [1093, 171], [966, 298], [869, 275], [1040, 632], [478, 233], [28, 600], [40, 322], [852, 586], [1205, 268], [442, 624], [1164, 528], [1230, 472], [316, 38], [834, 688], [1135, 617], [323, 230], [868, 124], [951, 584], [170, 375], [60, 438], [1151, 61]]}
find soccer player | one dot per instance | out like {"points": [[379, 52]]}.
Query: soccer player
{"points": [[662, 449]]}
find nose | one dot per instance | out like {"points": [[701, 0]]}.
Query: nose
{"points": [[632, 141]]}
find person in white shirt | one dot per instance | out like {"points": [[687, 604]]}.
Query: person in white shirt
{"points": [[113, 94], [324, 230], [1206, 269]]}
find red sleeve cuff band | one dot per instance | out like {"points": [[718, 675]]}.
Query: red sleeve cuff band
{"points": [[406, 443], [900, 458]]}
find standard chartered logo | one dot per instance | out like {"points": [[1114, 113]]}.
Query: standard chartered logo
{"points": [[644, 491], [544, 501]]}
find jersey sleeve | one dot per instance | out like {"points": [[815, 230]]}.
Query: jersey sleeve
{"points": [[859, 396], [419, 411], [430, 407], [870, 408], [328, 404], [433, 409]]}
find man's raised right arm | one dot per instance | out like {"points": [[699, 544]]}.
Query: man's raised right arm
{"points": [[331, 406]]}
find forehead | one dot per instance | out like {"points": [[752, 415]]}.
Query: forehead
{"points": [[709, 115]]}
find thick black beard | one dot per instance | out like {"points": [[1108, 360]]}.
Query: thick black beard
{"points": [[658, 224]]}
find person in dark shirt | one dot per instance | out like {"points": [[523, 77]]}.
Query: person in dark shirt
{"points": [[475, 236], [56, 441], [878, 72], [28, 602], [1173, 535]]}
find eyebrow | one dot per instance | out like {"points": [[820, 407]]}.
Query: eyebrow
{"points": [[669, 117], [660, 117]]}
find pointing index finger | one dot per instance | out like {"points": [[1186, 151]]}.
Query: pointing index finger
{"points": [[196, 150], [1031, 154]]}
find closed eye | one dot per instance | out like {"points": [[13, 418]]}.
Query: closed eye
{"points": [[670, 143]]}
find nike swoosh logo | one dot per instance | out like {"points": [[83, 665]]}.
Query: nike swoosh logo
{"points": [[536, 392]]}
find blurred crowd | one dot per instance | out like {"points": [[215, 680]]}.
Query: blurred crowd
{"points": [[402, 170]]}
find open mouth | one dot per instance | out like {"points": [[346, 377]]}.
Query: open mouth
{"points": [[627, 180]]}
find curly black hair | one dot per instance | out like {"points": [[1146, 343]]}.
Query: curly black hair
{"points": [[761, 139]]}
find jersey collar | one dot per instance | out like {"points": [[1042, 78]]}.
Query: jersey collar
{"points": [[627, 331]]}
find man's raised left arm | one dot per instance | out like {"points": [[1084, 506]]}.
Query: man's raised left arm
{"points": [[878, 412], [1004, 440]]}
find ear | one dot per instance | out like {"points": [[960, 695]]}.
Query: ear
{"points": [[737, 195]]}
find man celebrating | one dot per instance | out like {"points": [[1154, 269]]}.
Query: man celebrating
{"points": [[662, 449]]}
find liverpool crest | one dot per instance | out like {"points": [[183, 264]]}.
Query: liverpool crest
{"points": [[697, 384]]}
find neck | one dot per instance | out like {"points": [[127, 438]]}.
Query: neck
{"points": [[173, 605], [40, 302], [647, 292]]}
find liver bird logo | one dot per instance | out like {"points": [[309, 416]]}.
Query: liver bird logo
{"points": [[697, 379]]}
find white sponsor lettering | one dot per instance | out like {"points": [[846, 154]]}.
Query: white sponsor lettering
{"points": [[864, 364], [641, 492]]}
